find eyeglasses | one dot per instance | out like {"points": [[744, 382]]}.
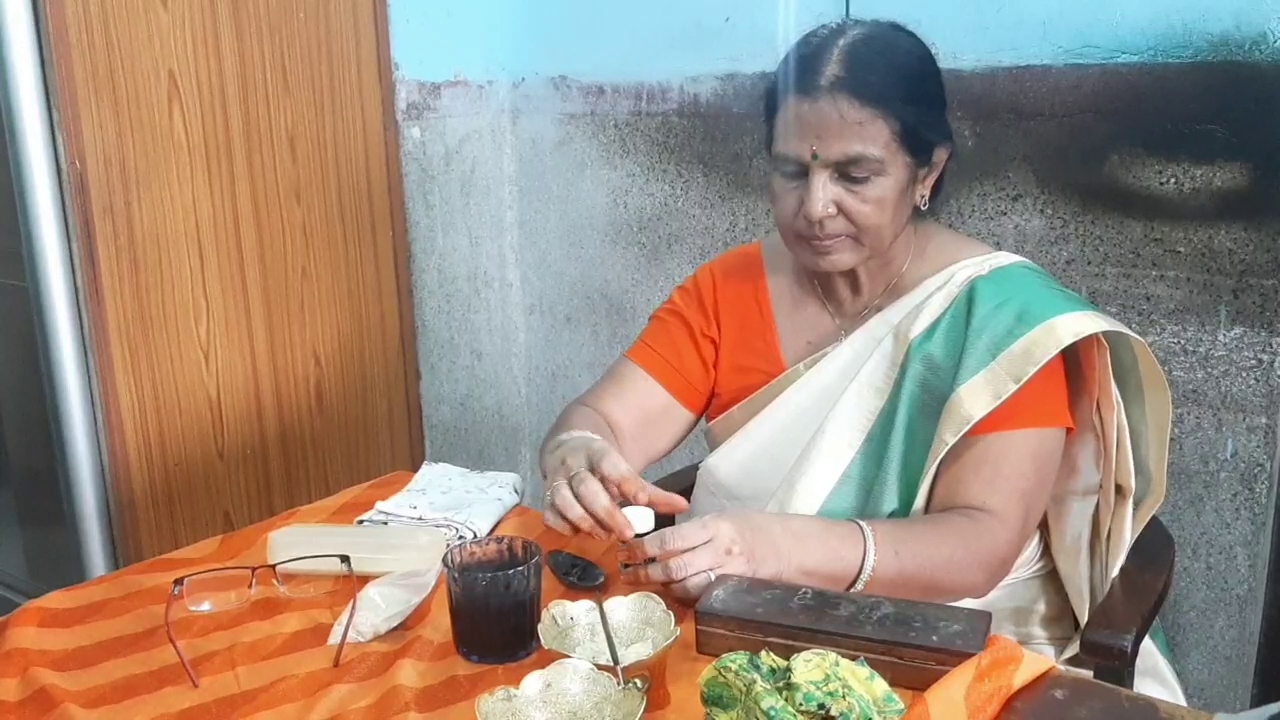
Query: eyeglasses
{"points": [[227, 587]]}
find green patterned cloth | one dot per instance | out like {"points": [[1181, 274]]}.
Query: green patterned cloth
{"points": [[813, 684]]}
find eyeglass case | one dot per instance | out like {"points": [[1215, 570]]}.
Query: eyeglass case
{"points": [[911, 644], [374, 549]]}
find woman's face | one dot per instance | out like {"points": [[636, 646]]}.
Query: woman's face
{"points": [[842, 187]]}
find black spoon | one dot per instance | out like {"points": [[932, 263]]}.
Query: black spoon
{"points": [[575, 572], [578, 573]]}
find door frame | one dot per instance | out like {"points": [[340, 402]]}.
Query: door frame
{"points": [[50, 270]]}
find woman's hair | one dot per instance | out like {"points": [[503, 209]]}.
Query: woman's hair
{"points": [[878, 64]]}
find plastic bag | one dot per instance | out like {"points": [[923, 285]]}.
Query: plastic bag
{"points": [[385, 603]]}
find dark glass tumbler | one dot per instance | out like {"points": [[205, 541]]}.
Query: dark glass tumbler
{"points": [[495, 598]]}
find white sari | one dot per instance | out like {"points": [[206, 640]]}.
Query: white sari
{"points": [[859, 429]]}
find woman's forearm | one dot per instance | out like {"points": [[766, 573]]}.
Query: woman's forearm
{"points": [[819, 552], [942, 557]]}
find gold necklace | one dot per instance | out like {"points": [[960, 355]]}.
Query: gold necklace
{"points": [[840, 326]]}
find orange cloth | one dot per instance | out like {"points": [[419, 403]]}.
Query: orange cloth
{"points": [[98, 649], [713, 344], [979, 688]]}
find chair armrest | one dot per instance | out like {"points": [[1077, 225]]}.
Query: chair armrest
{"points": [[1119, 623], [679, 482]]}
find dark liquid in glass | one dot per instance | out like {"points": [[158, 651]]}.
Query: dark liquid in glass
{"points": [[495, 598], [497, 630]]}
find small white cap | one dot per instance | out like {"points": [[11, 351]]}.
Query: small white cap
{"points": [[642, 518]]}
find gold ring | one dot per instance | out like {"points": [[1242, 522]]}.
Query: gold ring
{"points": [[546, 497], [573, 474]]}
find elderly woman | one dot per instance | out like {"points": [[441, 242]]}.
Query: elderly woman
{"points": [[892, 407]]}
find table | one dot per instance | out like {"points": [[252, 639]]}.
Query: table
{"points": [[98, 650]]}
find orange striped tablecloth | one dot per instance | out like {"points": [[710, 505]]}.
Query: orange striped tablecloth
{"points": [[98, 650]]}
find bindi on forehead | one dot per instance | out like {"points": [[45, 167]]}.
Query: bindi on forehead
{"points": [[837, 158], [832, 131]]}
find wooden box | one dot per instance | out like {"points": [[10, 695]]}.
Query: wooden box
{"points": [[911, 644]]}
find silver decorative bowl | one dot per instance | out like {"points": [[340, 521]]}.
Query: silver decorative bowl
{"points": [[567, 689], [643, 629]]}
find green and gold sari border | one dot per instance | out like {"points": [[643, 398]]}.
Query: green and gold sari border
{"points": [[884, 477]]}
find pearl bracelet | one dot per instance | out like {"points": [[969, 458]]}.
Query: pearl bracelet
{"points": [[570, 434], [868, 557]]}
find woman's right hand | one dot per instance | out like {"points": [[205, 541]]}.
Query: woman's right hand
{"points": [[585, 479]]}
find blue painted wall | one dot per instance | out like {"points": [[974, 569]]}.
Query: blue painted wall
{"points": [[595, 40]]}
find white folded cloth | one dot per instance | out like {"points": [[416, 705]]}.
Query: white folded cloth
{"points": [[466, 504]]}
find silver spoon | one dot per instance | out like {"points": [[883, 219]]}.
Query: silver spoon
{"points": [[578, 573]]}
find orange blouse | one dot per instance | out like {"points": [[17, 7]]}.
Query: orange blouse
{"points": [[713, 344]]}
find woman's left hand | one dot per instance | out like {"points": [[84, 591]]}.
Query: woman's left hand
{"points": [[689, 556]]}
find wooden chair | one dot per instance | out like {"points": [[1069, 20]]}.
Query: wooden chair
{"points": [[1116, 626]]}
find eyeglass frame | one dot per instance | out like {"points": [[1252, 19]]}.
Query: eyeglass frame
{"points": [[179, 583]]}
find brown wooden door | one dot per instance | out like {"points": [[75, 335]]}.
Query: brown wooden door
{"points": [[234, 185]]}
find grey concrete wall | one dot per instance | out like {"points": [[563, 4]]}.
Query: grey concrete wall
{"points": [[547, 219]]}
